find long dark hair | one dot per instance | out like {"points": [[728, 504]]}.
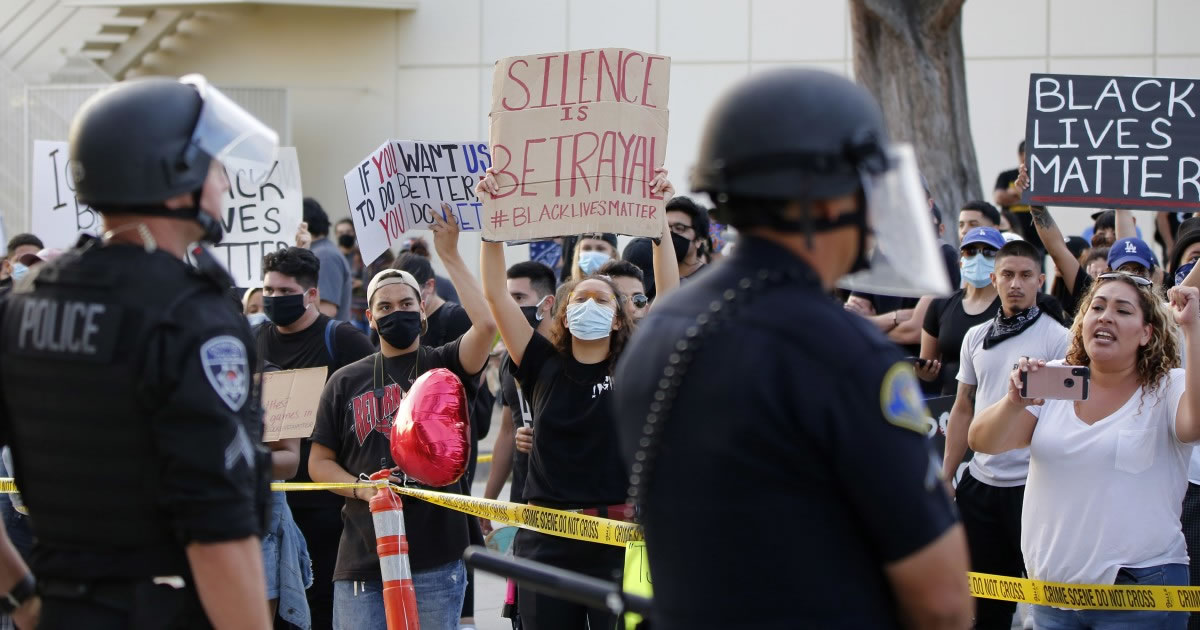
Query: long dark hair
{"points": [[619, 338]]}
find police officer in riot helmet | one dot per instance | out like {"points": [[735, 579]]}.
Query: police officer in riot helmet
{"points": [[126, 376], [773, 439]]}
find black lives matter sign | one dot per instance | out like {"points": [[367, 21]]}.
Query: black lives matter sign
{"points": [[1119, 142]]}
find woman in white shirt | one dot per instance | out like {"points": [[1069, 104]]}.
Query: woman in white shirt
{"points": [[1107, 475]]}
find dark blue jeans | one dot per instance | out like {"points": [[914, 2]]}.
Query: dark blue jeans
{"points": [[440, 590], [1048, 618]]}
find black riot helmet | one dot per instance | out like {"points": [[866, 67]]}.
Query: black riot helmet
{"points": [[802, 135], [789, 134], [140, 142]]}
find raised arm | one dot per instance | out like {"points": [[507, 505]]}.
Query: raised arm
{"points": [[514, 328], [666, 268], [1126, 227], [1006, 425], [1052, 238], [476, 343], [1184, 303]]}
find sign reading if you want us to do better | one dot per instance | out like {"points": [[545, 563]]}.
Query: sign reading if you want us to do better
{"points": [[257, 218], [1119, 142], [575, 138], [401, 184]]}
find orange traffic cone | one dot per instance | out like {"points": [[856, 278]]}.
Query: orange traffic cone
{"points": [[399, 596]]}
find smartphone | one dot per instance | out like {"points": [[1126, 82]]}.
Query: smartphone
{"points": [[1056, 382], [917, 361]]}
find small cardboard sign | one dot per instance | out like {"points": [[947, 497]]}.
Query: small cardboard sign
{"points": [[289, 401], [576, 137], [399, 186], [58, 217], [1113, 142]]}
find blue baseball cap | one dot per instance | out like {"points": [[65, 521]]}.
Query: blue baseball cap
{"points": [[987, 235], [1130, 250]]}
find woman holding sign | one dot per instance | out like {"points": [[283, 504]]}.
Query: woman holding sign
{"points": [[1108, 472], [575, 463]]}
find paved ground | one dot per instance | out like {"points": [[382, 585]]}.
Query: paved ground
{"points": [[489, 589]]}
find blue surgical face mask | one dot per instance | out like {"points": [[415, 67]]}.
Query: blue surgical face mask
{"points": [[256, 318], [589, 320], [591, 262], [977, 270], [18, 271]]}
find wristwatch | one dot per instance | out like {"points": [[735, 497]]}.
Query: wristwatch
{"points": [[12, 600]]}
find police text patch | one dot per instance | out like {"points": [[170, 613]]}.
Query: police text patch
{"points": [[900, 399], [227, 368], [62, 329]]}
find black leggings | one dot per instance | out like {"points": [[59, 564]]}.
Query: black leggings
{"points": [[542, 612]]}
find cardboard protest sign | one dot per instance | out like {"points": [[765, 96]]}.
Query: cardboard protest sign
{"points": [[257, 219], [289, 401], [1118, 142], [401, 184], [58, 218], [575, 138], [260, 218]]}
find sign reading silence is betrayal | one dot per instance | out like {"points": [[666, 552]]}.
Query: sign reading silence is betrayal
{"points": [[576, 137], [401, 184], [1117, 142], [257, 218]]}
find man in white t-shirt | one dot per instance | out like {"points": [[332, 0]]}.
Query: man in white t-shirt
{"points": [[991, 491]]}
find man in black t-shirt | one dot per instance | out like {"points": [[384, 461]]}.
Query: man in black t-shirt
{"points": [[353, 433], [297, 335]]}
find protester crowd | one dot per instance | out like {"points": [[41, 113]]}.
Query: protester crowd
{"points": [[1100, 491]]}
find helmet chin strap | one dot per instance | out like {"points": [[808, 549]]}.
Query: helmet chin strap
{"points": [[212, 227]]}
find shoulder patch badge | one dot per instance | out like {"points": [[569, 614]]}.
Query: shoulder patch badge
{"points": [[227, 368], [901, 401]]}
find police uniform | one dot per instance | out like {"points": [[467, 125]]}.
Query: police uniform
{"points": [[127, 394], [126, 379], [777, 443]]}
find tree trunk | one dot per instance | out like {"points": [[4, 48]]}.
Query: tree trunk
{"points": [[909, 54]]}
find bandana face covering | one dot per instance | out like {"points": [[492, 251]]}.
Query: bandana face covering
{"points": [[1004, 328]]}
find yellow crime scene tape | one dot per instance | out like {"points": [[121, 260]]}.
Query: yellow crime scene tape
{"points": [[621, 534], [1085, 596], [484, 458], [562, 523]]}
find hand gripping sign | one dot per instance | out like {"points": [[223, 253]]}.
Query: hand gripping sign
{"points": [[575, 138]]}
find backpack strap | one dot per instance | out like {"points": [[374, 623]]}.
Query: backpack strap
{"points": [[330, 347]]}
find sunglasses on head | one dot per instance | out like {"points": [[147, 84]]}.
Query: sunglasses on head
{"points": [[1121, 275], [971, 250]]}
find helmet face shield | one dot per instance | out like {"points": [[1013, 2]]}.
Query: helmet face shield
{"points": [[905, 260], [232, 135]]}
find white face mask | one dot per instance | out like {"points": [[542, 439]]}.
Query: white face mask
{"points": [[256, 318], [18, 271]]}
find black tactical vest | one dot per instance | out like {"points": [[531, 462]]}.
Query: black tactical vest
{"points": [[78, 370]]}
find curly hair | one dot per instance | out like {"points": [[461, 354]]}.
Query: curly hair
{"points": [[1156, 358], [620, 337]]}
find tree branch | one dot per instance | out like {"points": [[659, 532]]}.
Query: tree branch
{"points": [[944, 16]]}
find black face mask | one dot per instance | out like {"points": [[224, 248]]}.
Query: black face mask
{"points": [[681, 244], [346, 241], [399, 329], [283, 310], [531, 313]]}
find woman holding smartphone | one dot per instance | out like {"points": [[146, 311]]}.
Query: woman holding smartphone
{"points": [[1107, 474]]}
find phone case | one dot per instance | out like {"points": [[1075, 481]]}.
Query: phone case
{"points": [[1056, 382]]}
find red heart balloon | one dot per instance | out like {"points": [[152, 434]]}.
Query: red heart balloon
{"points": [[431, 435]]}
